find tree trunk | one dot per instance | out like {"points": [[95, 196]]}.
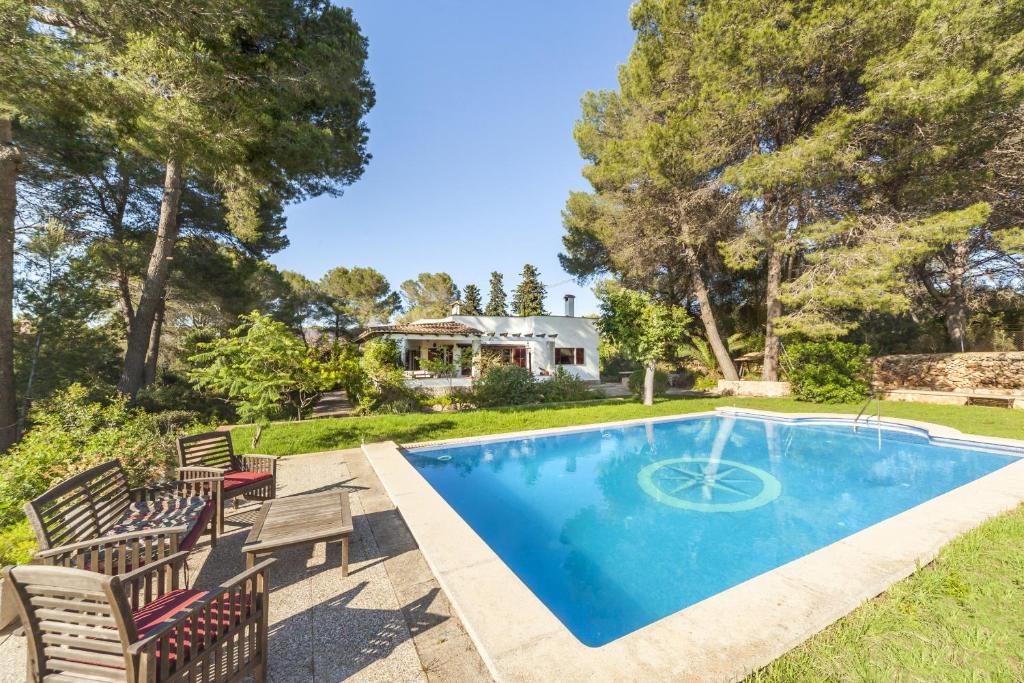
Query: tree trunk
{"points": [[955, 303], [153, 355], [10, 158], [707, 317], [649, 368], [155, 285], [770, 370]]}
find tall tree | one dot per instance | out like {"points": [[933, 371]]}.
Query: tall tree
{"points": [[471, 303], [430, 295], [658, 209], [925, 167], [496, 297], [360, 293], [288, 138], [528, 296]]}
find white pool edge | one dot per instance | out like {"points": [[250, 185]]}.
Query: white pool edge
{"points": [[722, 638]]}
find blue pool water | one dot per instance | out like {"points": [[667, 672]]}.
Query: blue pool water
{"points": [[614, 528]]}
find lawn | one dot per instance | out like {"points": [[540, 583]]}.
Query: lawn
{"points": [[289, 438], [959, 619]]}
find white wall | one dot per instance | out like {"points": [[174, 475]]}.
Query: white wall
{"points": [[572, 333]]}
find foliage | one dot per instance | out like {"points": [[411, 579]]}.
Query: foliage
{"points": [[261, 367], [70, 433], [361, 294], [612, 360], [171, 391], [528, 296], [828, 371], [564, 387], [636, 382], [705, 382], [471, 302], [496, 296], [506, 385], [17, 543], [288, 438], [643, 328], [430, 295], [384, 389]]}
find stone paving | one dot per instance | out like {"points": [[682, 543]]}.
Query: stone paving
{"points": [[387, 621]]}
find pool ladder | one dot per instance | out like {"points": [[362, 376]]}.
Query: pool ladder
{"points": [[872, 396]]}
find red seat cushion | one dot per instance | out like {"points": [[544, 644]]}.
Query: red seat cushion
{"points": [[164, 609], [239, 478], [197, 528]]}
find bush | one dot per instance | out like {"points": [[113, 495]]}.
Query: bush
{"points": [[563, 386], [506, 385], [705, 382], [828, 371], [70, 434], [384, 389], [636, 382]]}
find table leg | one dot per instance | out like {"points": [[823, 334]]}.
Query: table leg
{"points": [[344, 555]]}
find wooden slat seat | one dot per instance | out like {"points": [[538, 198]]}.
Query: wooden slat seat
{"points": [[212, 454], [146, 625], [94, 521]]}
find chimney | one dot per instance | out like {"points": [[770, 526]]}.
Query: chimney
{"points": [[457, 308], [570, 301]]}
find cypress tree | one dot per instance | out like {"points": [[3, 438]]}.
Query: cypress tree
{"points": [[528, 297], [471, 303], [496, 297]]}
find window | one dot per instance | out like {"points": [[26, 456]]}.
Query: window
{"points": [[569, 356]]}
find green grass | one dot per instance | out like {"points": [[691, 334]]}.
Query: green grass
{"points": [[961, 618], [284, 438]]}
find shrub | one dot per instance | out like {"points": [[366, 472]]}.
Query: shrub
{"points": [[506, 385], [636, 382], [71, 434], [563, 386], [828, 371], [705, 382], [384, 389]]}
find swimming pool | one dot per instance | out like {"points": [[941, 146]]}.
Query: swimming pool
{"points": [[614, 528]]}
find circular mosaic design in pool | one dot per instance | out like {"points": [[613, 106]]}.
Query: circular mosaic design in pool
{"points": [[706, 485]]}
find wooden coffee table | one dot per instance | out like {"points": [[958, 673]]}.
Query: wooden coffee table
{"points": [[300, 520]]}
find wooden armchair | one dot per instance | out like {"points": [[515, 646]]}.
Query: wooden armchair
{"points": [[144, 626], [213, 455], [94, 521]]}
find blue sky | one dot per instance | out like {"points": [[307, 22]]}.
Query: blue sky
{"points": [[471, 137]]}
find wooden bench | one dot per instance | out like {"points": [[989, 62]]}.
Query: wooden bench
{"points": [[94, 521], [212, 455], [144, 626]]}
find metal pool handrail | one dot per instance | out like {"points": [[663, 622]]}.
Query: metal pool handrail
{"points": [[872, 396]]}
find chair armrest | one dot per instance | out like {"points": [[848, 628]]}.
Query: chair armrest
{"points": [[113, 540], [246, 592], [260, 463], [197, 472], [152, 580], [115, 554]]}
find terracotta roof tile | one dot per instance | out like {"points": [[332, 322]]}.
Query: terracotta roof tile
{"points": [[452, 328]]}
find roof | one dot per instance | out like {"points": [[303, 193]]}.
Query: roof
{"points": [[445, 328]]}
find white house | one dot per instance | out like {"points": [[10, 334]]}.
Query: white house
{"points": [[539, 343]]}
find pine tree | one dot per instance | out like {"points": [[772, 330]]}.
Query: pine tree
{"points": [[471, 303], [528, 297], [496, 297]]}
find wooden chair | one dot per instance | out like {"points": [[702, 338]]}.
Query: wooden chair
{"points": [[141, 627], [94, 521], [213, 455]]}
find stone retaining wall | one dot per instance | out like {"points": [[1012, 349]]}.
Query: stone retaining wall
{"points": [[951, 371]]}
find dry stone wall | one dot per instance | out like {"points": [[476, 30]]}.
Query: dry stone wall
{"points": [[950, 371]]}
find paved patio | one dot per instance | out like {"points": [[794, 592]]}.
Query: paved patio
{"points": [[387, 621]]}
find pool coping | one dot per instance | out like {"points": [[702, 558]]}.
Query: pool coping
{"points": [[721, 638]]}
